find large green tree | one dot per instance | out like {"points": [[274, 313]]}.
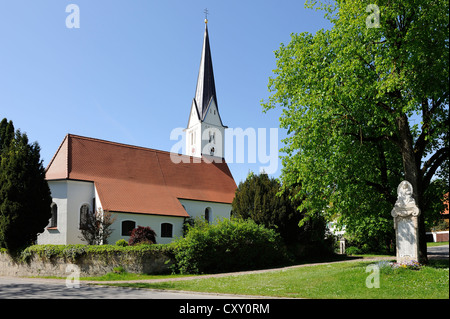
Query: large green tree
{"points": [[24, 193], [366, 106]]}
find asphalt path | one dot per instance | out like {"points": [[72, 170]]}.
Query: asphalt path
{"points": [[33, 288], [438, 252]]}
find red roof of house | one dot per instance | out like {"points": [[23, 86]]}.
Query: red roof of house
{"points": [[141, 180], [445, 212]]}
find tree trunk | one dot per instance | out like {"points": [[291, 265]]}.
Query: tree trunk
{"points": [[413, 175]]}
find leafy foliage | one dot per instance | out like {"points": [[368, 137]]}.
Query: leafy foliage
{"points": [[24, 193], [256, 198], [97, 227], [348, 96], [142, 235], [228, 245], [261, 199], [75, 252], [122, 243]]}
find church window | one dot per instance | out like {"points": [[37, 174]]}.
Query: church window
{"points": [[127, 227], [54, 219], [166, 230], [208, 214], [85, 210]]}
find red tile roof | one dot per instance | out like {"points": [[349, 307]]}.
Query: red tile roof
{"points": [[445, 212], [141, 180]]}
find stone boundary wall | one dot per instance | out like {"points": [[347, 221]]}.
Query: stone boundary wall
{"points": [[89, 265]]}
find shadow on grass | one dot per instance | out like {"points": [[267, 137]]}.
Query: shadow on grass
{"points": [[438, 263]]}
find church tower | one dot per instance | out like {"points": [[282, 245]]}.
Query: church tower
{"points": [[205, 132]]}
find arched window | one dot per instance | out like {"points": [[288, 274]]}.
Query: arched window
{"points": [[54, 219], [166, 230], [208, 214], [127, 227], [85, 216]]}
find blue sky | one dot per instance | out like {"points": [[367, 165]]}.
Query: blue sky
{"points": [[128, 74]]}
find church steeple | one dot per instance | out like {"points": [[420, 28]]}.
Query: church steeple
{"points": [[205, 133], [206, 88]]}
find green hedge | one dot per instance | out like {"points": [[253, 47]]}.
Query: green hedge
{"points": [[228, 245], [74, 252]]}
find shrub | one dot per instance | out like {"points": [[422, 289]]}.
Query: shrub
{"points": [[353, 251], [142, 235], [119, 270], [96, 227], [122, 243], [228, 245]]}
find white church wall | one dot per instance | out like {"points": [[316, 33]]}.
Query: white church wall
{"points": [[213, 137], [193, 140], [98, 203], [57, 236], [79, 193], [69, 196], [153, 221], [197, 209]]}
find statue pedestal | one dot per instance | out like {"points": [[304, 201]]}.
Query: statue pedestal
{"points": [[405, 213]]}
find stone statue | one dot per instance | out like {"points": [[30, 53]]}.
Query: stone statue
{"points": [[404, 191], [405, 213], [405, 204]]}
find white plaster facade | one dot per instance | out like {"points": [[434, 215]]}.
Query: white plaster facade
{"points": [[205, 137], [70, 195]]}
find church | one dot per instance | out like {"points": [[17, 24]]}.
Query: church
{"points": [[142, 186]]}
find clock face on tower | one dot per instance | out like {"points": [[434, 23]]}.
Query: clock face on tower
{"points": [[193, 150]]}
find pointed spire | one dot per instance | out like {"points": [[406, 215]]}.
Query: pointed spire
{"points": [[206, 89]]}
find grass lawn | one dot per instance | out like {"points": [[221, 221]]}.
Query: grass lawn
{"points": [[443, 243], [338, 280]]}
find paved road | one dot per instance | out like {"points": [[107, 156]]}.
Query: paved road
{"points": [[438, 252], [26, 288]]}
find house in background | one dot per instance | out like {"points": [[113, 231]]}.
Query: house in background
{"points": [[143, 186], [439, 233]]}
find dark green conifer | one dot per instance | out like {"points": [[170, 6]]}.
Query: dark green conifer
{"points": [[24, 193]]}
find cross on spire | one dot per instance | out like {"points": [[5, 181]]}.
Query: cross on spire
{"points": [[206, 15]]}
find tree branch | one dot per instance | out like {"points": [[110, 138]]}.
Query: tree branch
{"points": [[421, 141], [382, 190], [430, 167], [374, 139], [386, 107]]}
